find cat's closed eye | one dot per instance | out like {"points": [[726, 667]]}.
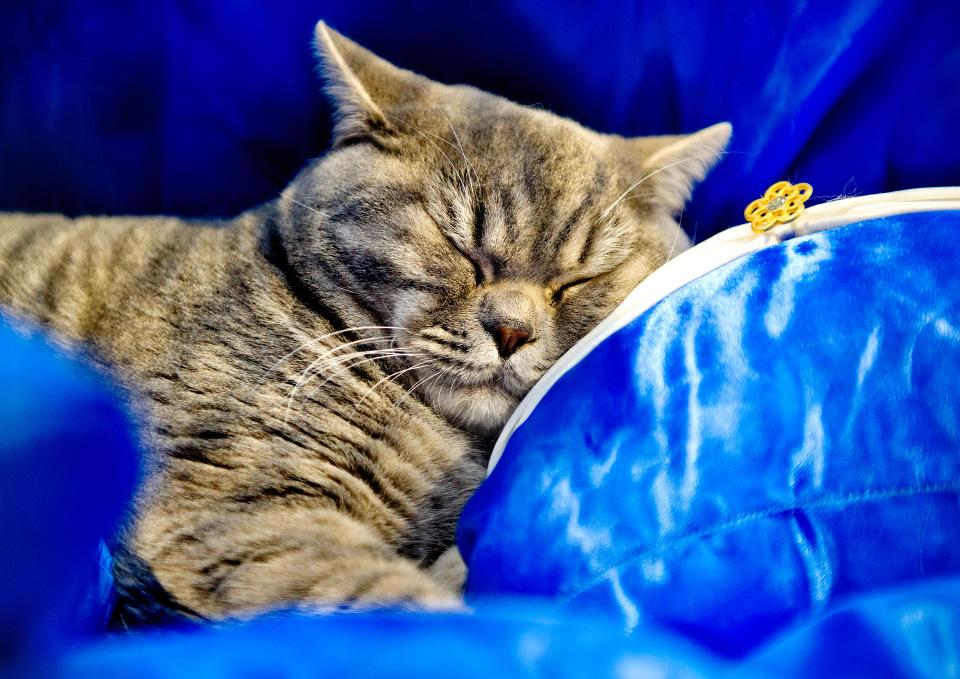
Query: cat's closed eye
{"points": [[563, 290], [478, 274], [463, 249]]}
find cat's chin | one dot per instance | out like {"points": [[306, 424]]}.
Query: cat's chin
{"points": [[479, 408]]}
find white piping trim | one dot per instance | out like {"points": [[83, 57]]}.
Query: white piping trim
{"points": [[726, 246]]}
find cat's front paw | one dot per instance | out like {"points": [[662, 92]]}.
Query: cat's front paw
{"points": [[399, 585], [449, 570]]}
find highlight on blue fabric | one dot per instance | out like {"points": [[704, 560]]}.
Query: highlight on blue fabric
{"points": [[67, 465], [768, 441], [911, 633], [506, 641]]}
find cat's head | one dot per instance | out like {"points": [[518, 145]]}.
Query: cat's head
{"points": [[490, 236]]}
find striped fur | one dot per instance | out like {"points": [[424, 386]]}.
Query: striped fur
{"points": [[317, 379]]}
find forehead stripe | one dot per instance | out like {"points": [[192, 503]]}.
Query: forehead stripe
{"points": [[479, 221]]}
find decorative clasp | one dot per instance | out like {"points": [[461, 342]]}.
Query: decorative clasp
{"points": [[780, 204]]}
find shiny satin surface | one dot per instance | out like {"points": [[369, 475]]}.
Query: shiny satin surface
{"points": [[67, 467], [516, 640], [770, 440], [912, 632]]}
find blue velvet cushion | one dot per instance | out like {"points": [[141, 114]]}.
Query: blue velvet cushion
{"points": [[512, 641], [67, 466], [769, 440], [909, 633]]}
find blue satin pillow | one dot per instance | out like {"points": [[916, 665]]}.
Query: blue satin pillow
{"points": [[769, 440], [67, 467], [911, 633]]}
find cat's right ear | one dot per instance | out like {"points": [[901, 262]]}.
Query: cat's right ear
{"points": [[364, 89]]}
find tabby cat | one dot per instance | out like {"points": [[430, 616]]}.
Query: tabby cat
{"points": [[320, 379]]}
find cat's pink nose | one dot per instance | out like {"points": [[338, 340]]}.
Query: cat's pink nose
{"points": [[509, 339]]}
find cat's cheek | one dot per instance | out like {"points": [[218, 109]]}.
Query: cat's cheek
{"points": [[521, 378], [590, 307], [408, 306], [576, 318]]}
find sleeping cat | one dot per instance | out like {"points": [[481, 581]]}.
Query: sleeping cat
{"points": [[320, 379]]}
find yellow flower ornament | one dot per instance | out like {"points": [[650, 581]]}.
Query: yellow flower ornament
{"points": [[781, 203]]}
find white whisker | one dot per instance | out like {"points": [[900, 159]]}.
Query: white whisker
{"points": [[305, 375], [647, 176], [294, 200], [423, 134], [389, 377], [408, 391], [676, 238], [366, 360], [336, 361], [450, 385], [460, 145], [320, 339]]}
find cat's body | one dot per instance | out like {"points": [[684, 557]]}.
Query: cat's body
{"points": [[193, 317], [321, 378]]}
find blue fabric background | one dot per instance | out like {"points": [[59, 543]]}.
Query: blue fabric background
{"points": [[768, 441], [206, 106], [907, 633], [507, 641], [67, 466]]}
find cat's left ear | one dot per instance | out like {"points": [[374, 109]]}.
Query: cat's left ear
{"points": [[365, 89], [674, 164]]}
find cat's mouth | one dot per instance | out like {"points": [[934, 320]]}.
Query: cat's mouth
{"points": [[479, 405], [483, 408], [475, 392]]}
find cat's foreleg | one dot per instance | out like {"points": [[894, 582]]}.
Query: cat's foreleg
{"points": [[238, 563], [450, 570]]}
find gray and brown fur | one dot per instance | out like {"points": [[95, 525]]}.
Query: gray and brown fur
{"points": [[463, 241]]}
